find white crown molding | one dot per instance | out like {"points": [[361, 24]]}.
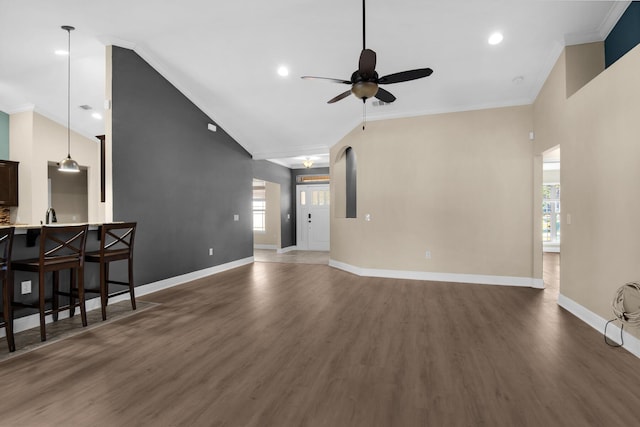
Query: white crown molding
{"points": [[19, 108], [480, 279], [116, 41], [631, 343], [615, 13]]}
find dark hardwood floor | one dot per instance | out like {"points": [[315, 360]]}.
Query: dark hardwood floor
{"points": [[273, 344]]}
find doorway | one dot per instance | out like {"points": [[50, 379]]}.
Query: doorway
{"points": [[551, 207], [551, 220], [312, 213], [68, 194]]}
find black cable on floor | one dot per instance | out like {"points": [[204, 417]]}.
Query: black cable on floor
{"points": [[606, 340]]}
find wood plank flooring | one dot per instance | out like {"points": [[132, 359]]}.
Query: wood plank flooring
{"points": [[274, 344]]}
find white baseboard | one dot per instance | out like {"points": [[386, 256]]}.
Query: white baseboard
{"points": [[33, 321], [631, 343], [287, 249], [267, 247], [529, 282]]}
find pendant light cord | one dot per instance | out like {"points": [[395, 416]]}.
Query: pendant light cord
{"points": [[69, 93]]}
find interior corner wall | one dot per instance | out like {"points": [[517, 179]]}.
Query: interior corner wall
{"points": [[583, 63], [182, 183], [268, 171], [457, 185]]}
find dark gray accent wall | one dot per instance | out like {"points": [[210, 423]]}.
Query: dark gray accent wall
{"points": [[624, 36], [182, 183], [268, 171], [294, 182]]}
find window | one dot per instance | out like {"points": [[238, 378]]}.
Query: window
{"points": [[551, 213], [259, 214]]}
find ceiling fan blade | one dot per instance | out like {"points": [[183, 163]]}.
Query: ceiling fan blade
{"points": [[405, 76], [385, 96], [347, 82], [339, 97], [367, 63]]}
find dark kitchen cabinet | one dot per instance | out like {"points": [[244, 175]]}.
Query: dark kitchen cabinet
{"points": [[8, 183]]}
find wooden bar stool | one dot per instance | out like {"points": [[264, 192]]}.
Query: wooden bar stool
{"points": [[6, 280], [116, 244], [61, 248]]}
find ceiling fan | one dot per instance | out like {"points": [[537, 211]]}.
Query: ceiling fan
{"points": [[365, 81]]}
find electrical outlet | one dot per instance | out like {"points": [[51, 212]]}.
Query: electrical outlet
{"points": [[236, 217], [210, 251], [25, 287], [427, 255]]}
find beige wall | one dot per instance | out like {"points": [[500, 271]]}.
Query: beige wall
{"points": [[583, 63], [458, 185], [600, 176], [36, 141], [597, 129], [271, 236]]}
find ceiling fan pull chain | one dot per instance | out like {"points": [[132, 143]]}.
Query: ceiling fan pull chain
{"points": [[364, 113]]}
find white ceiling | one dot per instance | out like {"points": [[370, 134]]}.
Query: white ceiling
{"points": [[224, 56]]}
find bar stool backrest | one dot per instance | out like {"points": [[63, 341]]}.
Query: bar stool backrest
{"points": [[117, 240], [63, 242], [6, 243]]}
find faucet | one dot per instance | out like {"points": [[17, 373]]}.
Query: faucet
{"points": [[51, 216]]}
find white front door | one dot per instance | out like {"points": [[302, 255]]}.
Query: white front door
{"points": [[313, 217]]}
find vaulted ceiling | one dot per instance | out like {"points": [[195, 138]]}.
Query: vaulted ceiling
{"points": [[225, 56]]}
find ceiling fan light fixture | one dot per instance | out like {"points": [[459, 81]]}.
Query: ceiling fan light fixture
{"points": [[364, 90]]}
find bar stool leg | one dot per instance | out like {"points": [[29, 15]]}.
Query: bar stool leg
{"points": [[131, 287], [56, 289], [7, 309], [83, 308], [72, 287], [104, 288], [41, 305]]}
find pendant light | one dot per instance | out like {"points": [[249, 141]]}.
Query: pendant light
{"points": [[68, 164]]}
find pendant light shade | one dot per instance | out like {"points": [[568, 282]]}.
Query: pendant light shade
{"points": [[68, 164]]}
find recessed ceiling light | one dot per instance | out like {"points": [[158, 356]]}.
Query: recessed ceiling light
{"points": [[61, 52], [96, 116], [495, 38], [518, 80], [283, 71]]}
